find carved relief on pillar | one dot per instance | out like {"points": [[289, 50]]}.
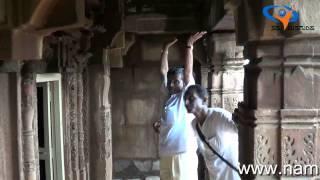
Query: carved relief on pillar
{"points": [[266, 137], [85, 110], [29, 132], [73, 57], [298, 147], [74, 124], [230, 101], [264, 153], [215, 99]]}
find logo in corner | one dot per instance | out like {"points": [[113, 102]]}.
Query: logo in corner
{"points": [[283, 14]]}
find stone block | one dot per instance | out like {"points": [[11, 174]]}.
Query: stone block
{"points": [[299, 88], [147, 79], [230, 101], [152, 48], [298, 145], [143, 166], [142, 111], [302, 46], [156, 165], [135, 142], [152, 178], [120, 165], [265, 145], [233, 80], [268, 88], [309, 14]]}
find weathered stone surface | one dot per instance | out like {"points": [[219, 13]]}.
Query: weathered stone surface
{"points": [[9, 155], [269, 85], [120, 165], [146, 79], [132, 140], [142, 111], [156, 23], [227, 73], [151, 49], [152, 178], [233, 80], [299, 46], [100, 126], [156, 166], [309, 14], [298, 146], [298, 88], [225, 47], [230, 101], [143, 166]]}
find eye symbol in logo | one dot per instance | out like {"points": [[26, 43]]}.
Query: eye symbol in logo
{"points": [[284, 14]]}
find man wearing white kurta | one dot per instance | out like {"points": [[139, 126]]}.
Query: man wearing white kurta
{"points": [[219, 130], [177, 140]]}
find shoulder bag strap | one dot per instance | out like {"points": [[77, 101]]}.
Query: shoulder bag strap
{"points": [[203, 139]]}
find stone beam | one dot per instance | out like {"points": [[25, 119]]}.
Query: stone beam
{"points": [[23, 29], [157, 24]]}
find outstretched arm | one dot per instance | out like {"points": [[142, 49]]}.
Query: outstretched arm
{"points": [[189, 56], [164, 59]]}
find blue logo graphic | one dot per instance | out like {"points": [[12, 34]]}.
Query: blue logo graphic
{"points": [[284, 14]]}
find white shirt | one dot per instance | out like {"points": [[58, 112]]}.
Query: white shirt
{"points": [[222, 134], [176, 132]]}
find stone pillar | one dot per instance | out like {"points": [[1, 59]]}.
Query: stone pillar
{"points": [[30, 150], [278, 119], [100, 125], [205, 69], [226, 88], [259, 130], [73, 58], [71, 126]]}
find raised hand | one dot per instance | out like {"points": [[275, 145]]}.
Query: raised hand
{"points": [[167, 45], [193, 38]]}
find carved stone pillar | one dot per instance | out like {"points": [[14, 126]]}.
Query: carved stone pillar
{"points": [[71, 126], [73, 62], [100, 125], [29, 127], [278, 119], [259, 133], [81, 107], [226, 88]]}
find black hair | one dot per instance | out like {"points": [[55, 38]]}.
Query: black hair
{"points": [[199, 90], [175, 71]]}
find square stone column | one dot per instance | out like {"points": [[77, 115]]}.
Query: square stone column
{"points": [[278, 119], [226, 82]]}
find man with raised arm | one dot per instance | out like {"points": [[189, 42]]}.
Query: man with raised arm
{"points": [[177, 142]]}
